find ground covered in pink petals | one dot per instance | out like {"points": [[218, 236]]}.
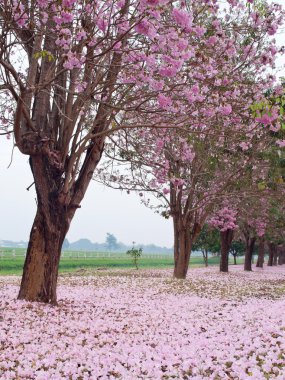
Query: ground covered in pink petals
{"points": [[145, 325]]}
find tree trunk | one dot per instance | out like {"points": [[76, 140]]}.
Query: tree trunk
{"points": [[279, 254], [282, 254], [49, 229], [235, 259], [226, 238], [261, 251], [275, 255], [182, 251], [250, 242], [40, 273], [205, 257], [271, 248]]}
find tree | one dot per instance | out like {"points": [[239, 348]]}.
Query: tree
{"points": [[207, 242], [135, 254], [225, 220], [73, 72], [261, 252], [111, 242], [237, 248]]}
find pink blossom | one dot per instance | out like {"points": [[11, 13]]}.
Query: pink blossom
{"points": [[144, 27], [226, 110], [68, 3], [81, 35], [212, 40], [267, 119], [200, 31], [102, 24], [281, 143], [164, 101], [145, 325], [168, 71], [183, 18]]}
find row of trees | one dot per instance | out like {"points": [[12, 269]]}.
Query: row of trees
{"points": [[227, 172], [209, 243], [180, 89]]}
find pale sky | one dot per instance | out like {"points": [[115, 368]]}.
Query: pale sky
{"points": [[103, 210]]}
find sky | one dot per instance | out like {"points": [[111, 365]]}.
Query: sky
{"points": [[102, 210]]}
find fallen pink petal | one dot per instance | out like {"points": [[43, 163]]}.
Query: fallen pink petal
{"points": [[146, 325]]}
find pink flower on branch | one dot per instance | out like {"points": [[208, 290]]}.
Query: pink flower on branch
{"points": [[164, 101]]}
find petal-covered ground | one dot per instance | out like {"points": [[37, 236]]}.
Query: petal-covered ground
{"points": [[145, 325]]}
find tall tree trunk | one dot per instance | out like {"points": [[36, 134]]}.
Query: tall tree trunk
{"points": [[226, 238], [271, 248], [250, 242], [261, 251], [275, 255], [40, 272], [49, 229], [182, 251]]}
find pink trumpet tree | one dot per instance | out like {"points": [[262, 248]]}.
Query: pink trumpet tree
{"points": [[225, 220], [217, 137]]}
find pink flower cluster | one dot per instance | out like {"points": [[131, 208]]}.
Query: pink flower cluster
{"points": [[224, 219]]}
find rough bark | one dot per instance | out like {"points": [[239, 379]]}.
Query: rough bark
{"points": [[48, 232], [182, 251], [226, 240], [250, 242], [40, 273], [261, 252]]}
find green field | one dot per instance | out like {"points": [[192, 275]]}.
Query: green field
{"points": [[11, 263]]}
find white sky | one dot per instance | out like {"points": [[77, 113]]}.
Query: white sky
{"points": [[103, 210]]}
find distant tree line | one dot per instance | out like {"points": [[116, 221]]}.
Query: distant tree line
{"points": [[112, 244]]}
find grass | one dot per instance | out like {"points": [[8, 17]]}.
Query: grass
{"points": [[10, 265]]}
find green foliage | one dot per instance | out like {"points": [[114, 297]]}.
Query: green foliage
{"points": [[276, 226], [237, 248], [44, 54], [208, 240], [135, 253]]}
